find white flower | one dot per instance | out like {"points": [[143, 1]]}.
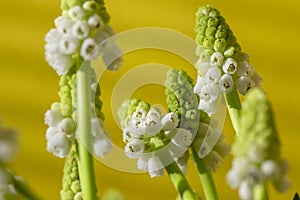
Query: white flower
{"points": [[244, 84], [210, 92], [256, 154], [216, 59], [254, 175], [202, 67], [95, 21], [89, 50], [80, 30], [175, 150], [210, 107], [142, 163], [112, 56], [213, 160], [8, 146], [199, 85], [270, 169], [134, 148], [230, 66], [244, 69], [127, 134], [170, 121], [226, 83], [59, 62], [53, 36], [68, 44], [53, 117], [213, 75], [64, 25], [101, 38], [139, 114], [138, 125], [182, 138], [76, 13], [246, 191], [59, 144], [51, 131], [102, 146], [66, 125], [97, 127], [238, 172], [155, 167]]}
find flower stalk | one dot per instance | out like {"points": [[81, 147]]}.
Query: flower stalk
{"points": [[85, 159], [234, 107]]}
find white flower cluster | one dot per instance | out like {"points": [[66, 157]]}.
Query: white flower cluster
{"points": [[211, 145], [81, 32], [61, 133], [140, 133], [254, 169], [219, 73]]}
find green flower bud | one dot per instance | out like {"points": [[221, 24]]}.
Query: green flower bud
{"points": [[71, 182], [210, 31], [221, 33], [220, 45]]}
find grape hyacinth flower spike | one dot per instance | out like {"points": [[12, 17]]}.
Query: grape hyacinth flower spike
{"points": [[81, 35], [222, 67], [256, 151]]}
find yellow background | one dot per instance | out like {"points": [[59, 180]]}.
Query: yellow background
{"points": [[268, 30]]}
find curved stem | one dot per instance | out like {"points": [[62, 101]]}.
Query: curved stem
{"points": [[261, 192], [234, 107], [85, 158], [206, 177], [24, 189]]}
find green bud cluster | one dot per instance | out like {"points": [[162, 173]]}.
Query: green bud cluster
{"points": [[66, 94], [94, 6], [214, 33], [71, 183], [257, 127], [181, 99], [96, 95]]}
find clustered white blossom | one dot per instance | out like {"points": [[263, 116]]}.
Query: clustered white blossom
{"points": [[8, 144], [62, 131], [253, 169], [143, 128], [81, 31], [220, 74]]}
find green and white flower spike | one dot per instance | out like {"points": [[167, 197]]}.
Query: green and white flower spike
{"points": [[222, 67], [256, 150], [71, 183]]}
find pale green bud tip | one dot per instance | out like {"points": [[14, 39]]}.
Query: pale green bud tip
{"points": [[212, 30]]}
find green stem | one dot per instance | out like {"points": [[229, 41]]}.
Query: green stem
{"points": [[206, 177], [85, 158], [180, 183], [261, 192], [234, 107], [24, 189]]}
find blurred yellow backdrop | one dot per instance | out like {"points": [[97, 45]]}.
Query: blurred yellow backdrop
{"points": [[268, 30]]}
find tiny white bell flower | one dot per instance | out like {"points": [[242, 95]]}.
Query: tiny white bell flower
{"points": [[233, 178], [102, 146], [53, 36], [210, 107], [138, 125], [66, 125], [134, 148], [271, 169], [139, 114], [202, 67], [127, 134], [170, 121], [199, 85], [152, 126], [53, 117], [230, 66], [68, 44], [202, 147], [64, 25], [244, 84], [175, 150], [89, 50], [112, 55], [80, 30], [216, 59], [226, 83], [76, 13], [213, 160], [244, 69], [51, 131], [210, 92], [59, 145], [59, 62], [142, 163], [246, 191], [95, 21], [213, 75], [182, 138], [97, 127], [155, 167]]}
